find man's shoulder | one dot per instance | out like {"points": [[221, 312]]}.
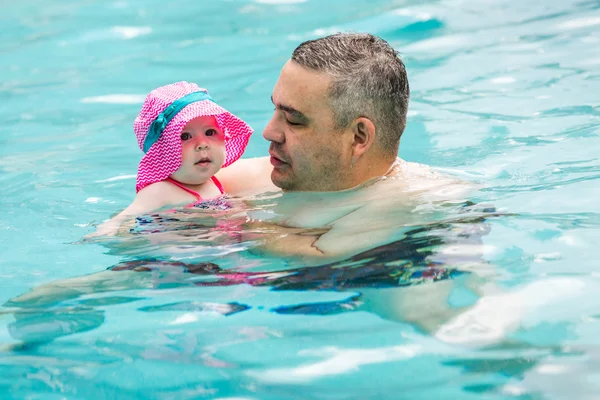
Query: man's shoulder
{"points": [[408, 168], [247, 176], [427, 181]]}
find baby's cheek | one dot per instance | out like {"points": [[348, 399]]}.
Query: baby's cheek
{"points": [[220, 146], [185, 145], [222, 154]]}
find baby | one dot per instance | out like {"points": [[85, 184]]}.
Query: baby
{"points": [[187, 138]]}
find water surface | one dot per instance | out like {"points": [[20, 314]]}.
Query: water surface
{"points": [[503, 93]]}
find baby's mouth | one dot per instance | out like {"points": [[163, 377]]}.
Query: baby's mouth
{"points": [[203, 161]]}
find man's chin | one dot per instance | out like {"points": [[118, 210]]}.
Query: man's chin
{"points": [[282, 181]]}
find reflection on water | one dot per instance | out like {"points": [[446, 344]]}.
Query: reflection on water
{"points": [[426, 254], [33, 326], [176, 312]]}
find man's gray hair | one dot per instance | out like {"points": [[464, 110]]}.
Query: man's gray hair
{"points": [[368, 80]]}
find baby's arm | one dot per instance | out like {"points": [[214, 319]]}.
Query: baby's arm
{"points": [[150, 198]]}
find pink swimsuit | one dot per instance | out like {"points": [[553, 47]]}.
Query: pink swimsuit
{"points": [[196, 194], [230, 226]]}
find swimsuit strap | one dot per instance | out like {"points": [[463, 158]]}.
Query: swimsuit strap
{"points": [[196, 194], [190, 191], [218, 184]]}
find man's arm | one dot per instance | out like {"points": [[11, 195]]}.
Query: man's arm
{"points": [[282, 241], [345, 237], [375, 216], [247, 176]]}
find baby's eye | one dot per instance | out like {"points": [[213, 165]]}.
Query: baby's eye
{"points": [[211, 132], [185, 136]]}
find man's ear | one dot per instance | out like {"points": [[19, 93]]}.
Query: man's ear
{"points": [[364, 136]]}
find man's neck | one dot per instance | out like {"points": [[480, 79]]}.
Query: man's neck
{"points": [[369, 172]]}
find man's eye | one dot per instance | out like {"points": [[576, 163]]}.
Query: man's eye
{"points": [[185, 136], [211, 132], [292, 123]]}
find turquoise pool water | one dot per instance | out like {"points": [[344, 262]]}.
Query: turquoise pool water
{"points": [[503, 92]]}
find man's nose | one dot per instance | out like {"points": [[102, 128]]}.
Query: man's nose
{"points": [[273, 131]]}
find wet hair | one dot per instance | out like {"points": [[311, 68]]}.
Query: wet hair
{"points": [[368, 80]]}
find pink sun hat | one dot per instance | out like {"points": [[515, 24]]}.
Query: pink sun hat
{"points": [[159, 124]]}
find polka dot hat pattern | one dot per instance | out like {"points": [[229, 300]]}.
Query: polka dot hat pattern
{"points": [[164, 157]]}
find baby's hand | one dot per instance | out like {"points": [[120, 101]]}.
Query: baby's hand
{"points": [[109, 229]]}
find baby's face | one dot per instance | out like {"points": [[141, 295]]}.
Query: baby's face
{"points": [[203, 151]]}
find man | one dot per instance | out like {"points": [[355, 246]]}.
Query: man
{"points": [[341, 105]]}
